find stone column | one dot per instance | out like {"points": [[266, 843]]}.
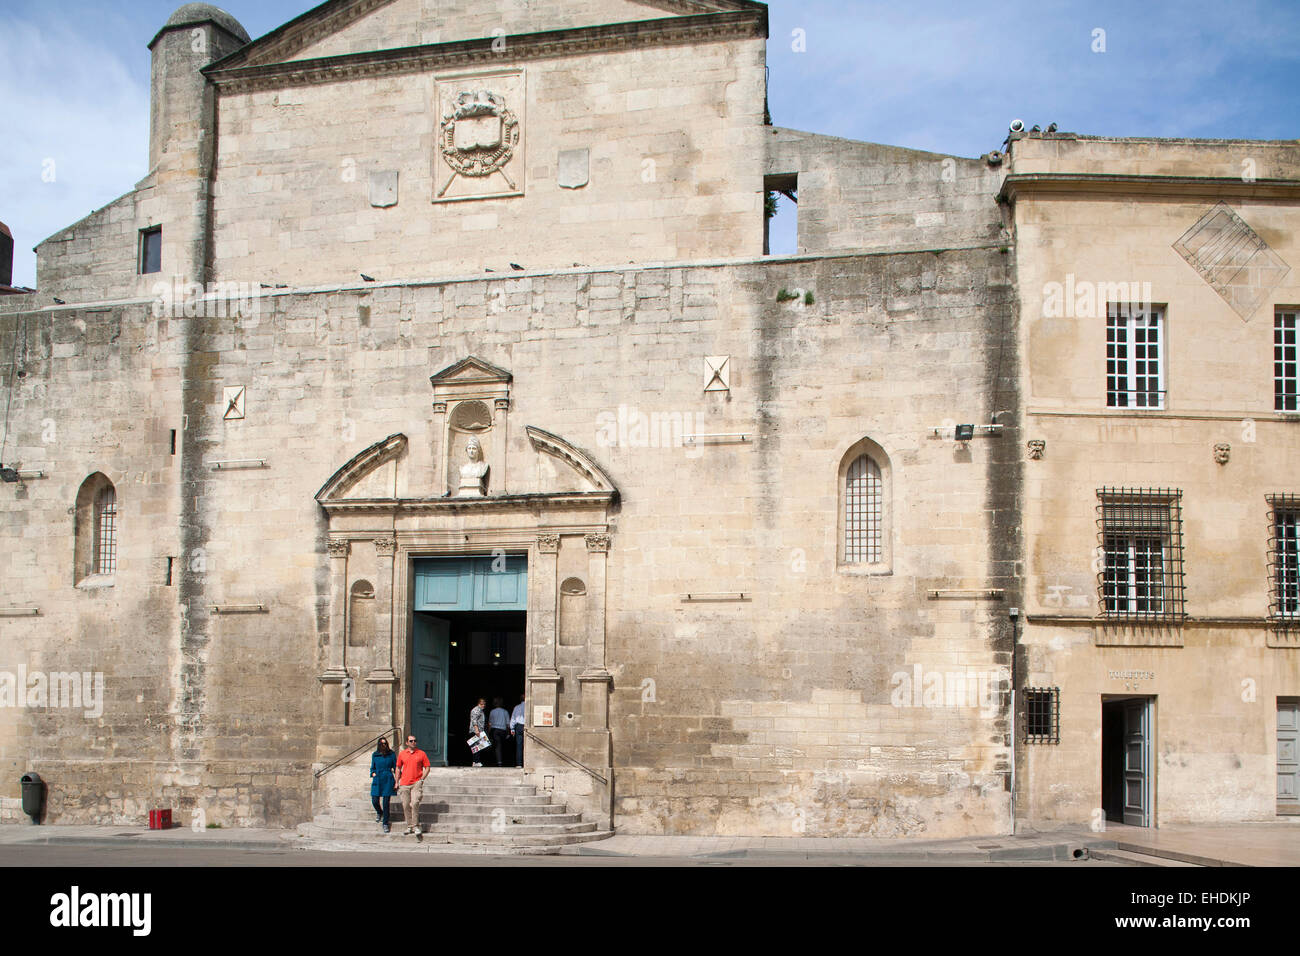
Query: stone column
{"points": [[543, 677], [441, 453], [596, 680], [382, 679], [497, 477], [336, 673]]}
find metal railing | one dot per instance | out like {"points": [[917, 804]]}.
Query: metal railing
{"points": [[563, 756], [356, 750]]}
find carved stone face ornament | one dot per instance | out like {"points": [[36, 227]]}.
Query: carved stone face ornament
{"points": [[1222, 451]]}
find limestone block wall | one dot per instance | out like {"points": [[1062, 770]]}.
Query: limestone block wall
{"points": [[757, 707], [1149, 156], [855, 195], [672, 171]]}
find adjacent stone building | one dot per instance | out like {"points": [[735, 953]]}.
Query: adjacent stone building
{"points": [[437, 356], [1159, 648]]}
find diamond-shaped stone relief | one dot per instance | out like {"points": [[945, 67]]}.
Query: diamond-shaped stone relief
{"points": [[1233, 259]]}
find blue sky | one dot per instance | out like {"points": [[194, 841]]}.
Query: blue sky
{"points": [[944, 76]]}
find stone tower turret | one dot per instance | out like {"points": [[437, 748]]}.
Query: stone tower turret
{"points": [[182, 129]]}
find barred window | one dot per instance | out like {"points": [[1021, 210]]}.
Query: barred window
{"points": [[1284, 558], [863, 502], [1042, 715], [106, 531], [1134, 357], [95, 532], [1141, 574], [1284, 363]]}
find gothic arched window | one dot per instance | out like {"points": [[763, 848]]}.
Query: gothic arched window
{"points": [[95, 545], [864, 519]]}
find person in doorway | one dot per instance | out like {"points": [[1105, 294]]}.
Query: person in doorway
{"points": [[412, 767], [517, 724], [383, 780], [499, 724], [477, 725]]}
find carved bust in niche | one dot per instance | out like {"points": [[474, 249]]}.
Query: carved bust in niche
{"points": [[473, 474]]}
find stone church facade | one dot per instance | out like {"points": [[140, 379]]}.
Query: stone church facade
{"points": [[438, 355]]}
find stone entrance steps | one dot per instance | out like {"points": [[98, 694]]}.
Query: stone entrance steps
{"points": [[478, 809]]}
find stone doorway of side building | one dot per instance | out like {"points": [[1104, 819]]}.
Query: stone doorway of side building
{"points": [[1288, 756], [1127, 768]]}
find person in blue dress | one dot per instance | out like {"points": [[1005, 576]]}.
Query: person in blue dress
{"points": [[383, 780]]}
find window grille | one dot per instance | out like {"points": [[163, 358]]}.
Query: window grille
{"points": [[1134, 357], [1141, 573], [106, 532], [863, 504], [1042, 715], [1284, 559], [1285, 393]]}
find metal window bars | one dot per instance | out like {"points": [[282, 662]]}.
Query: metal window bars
{"points": [[1140, 578], [105, 556], [863, 512], [1042, 711], [1284, 561]]}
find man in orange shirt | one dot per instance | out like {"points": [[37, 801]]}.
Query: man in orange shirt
{"points": [[413, 767]]}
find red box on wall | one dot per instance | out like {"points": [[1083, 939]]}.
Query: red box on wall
{"points": [[160, 819]]}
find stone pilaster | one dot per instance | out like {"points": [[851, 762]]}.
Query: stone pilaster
{"points": [[382, 678], [333, 703], [543, 677], [596, 680], [441, 450], [497, 477]]}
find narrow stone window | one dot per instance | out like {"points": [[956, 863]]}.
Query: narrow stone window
{"points": [[864, 494], [150, 250], [106, 531], [863, 501], [95, 532]]}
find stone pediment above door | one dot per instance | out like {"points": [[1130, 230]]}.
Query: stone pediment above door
{"points": [[552, 471]]}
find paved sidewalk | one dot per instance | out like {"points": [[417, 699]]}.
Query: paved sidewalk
{"points": [[1246, 844], [223, 838], [1253, 844]]}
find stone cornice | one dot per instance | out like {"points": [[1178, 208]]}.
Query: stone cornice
{"points": [[429, 506], [470, 54], [1106, 185]]}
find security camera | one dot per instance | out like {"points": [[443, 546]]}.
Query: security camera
{"points": [[1017, 126]]}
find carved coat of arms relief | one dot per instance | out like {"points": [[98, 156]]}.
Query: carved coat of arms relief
{"points": [[479, 137]]}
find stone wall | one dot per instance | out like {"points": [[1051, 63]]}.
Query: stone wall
{"points": [[759, 706], [855, 195]]}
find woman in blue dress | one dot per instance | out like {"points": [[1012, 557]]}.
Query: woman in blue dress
{"points": [[383, 780]]}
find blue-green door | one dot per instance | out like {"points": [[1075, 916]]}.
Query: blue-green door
{"points": [[429, 697], [477, 583]]}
